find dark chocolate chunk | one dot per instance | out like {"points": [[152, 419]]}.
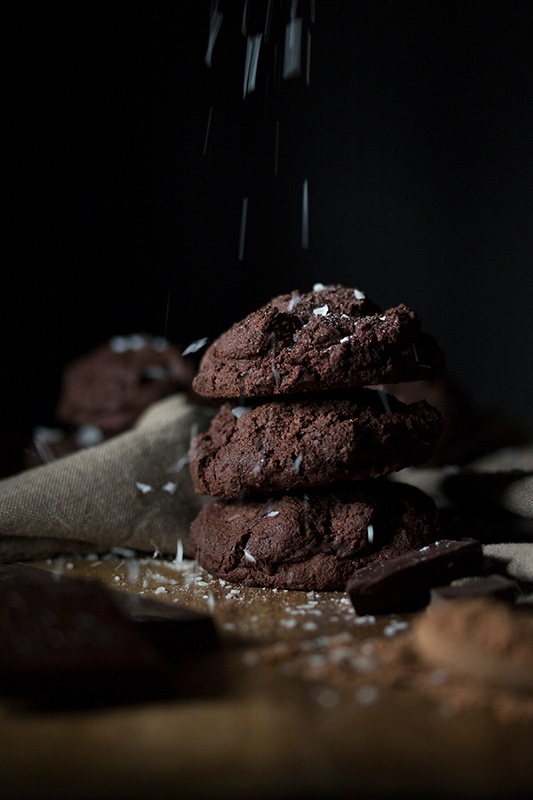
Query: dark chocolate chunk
{"points": [[496, 586], [406, 580], [69, 641], [172, 629]]}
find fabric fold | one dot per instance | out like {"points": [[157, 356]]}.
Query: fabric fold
{"points": [[133, 490]]}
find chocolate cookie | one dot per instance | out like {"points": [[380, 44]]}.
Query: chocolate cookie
{"points": [[312, 541], [312, 441], [112, 385], [330, 338]]}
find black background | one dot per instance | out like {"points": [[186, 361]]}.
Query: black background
{"points": [[122, 207]]}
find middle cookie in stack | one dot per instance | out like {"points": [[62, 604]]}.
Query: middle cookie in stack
{"points": [[297, 453]]}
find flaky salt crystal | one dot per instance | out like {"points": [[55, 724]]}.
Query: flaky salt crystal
{"points": [[194, 346]]}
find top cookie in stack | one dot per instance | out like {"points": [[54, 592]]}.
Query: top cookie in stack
{"points": [[297, 450]]}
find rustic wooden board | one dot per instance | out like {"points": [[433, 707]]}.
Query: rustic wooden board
{"points": [[247, 726]]}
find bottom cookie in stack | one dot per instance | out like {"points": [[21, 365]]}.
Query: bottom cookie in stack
{"points": [[312, 540]]}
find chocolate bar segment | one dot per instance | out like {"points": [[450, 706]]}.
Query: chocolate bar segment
{"points": [[404, 582], [497, 587]]}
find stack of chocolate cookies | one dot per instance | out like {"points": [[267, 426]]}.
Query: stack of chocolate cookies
{"points": [[297, 455]]}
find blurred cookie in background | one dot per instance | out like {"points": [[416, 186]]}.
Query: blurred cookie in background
{"points": [[469, 430], [104, 392]]}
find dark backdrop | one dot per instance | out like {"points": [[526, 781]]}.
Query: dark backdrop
{"points": [[129, 158]]}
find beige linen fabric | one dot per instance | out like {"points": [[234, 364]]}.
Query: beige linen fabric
{"points": [[133, 490]]}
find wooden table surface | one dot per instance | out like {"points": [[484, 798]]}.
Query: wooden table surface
{"points": [[246, 726]]}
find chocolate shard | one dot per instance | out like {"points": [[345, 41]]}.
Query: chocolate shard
{"points": [[495, 586], [404, 582], [174, 630], [73, 642]]}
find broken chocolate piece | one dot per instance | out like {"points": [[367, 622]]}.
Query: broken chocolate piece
{"points": [[404, 582], [68, 641], [174, 630], [494, 586]]}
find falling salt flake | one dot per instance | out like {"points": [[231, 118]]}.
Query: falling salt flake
{"points": [[359, 295], [308, 60], [394, 627], [297, 463], [415, 353], [180, 463], [309, 626], [272, 513], [238, 411], [160, 590], [169, 487], [242, 236], [292, 302], [253, 45], [208, 128], [210, 602], [215, 21], [318, 287], [143, 487], [233, 516], [42, 436], [322, 311], [248, 556], [179, 552], [293, 48], [195, 346], [370, 533], [383, 396], [367, 695], [244, 23], [305, 215]]}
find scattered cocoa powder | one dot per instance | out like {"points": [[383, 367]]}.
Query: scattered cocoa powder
{"points": [[346, 662]]}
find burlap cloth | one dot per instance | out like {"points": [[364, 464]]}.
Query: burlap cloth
{"points": [[132, 491], [135, 491]]}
